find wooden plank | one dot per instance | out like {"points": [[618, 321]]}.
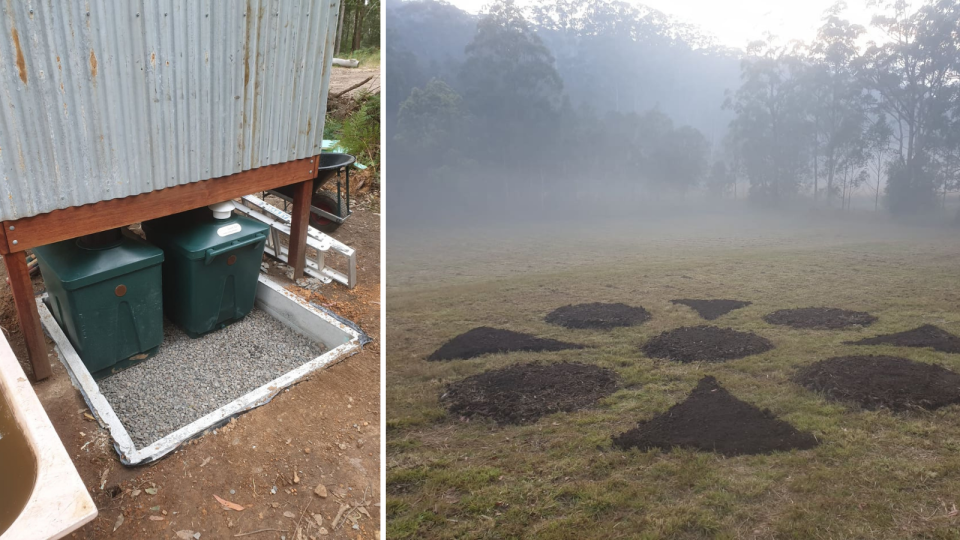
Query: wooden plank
{"points": [[19, 275], [299, 219], [80, 220]]}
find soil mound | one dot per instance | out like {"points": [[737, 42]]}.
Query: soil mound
{"points": [[486, 340], [882, 382], [711, 419], [820, 318], [598, 315], [927, 335], [711, 309], [523, 393], [705, 344]]}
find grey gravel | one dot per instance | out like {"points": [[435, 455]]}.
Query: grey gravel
{"points": [[190, 378]]}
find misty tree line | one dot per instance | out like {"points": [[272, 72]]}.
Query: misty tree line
{"points": [[571, 97]]}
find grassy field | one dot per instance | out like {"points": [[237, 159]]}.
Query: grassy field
{"points": [[874, 475]]}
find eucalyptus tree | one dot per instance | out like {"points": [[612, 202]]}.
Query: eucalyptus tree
{"points": [[772, 127], [877, 139], [912, 72], [509, 82], [838, 103]]}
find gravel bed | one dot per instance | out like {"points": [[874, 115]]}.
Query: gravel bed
{"points": [[190, 378]]}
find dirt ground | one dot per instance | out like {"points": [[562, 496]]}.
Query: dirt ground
{"points": [[598, 315], [927, 335], [485, 340], [705, 344], [324, 430], [523, 393], [875, 382], [346, 77], [713, 420], [711, 309], [821, 318]]}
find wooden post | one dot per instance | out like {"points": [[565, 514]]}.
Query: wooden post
{"points": [[23, 298], [300, 218]]}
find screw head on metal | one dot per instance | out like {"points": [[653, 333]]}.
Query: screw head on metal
{"points": [[12, 227], [15, 242]]}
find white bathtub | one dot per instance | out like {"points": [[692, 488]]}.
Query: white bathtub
{"points": [[59, 503]]}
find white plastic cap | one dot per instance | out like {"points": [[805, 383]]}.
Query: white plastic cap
{"points": [[222, 210]]}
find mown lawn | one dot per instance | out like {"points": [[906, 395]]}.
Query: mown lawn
{"points": [[874, 475]]}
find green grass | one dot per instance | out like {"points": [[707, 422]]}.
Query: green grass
{"points": [[875, 474], [369, 57]]}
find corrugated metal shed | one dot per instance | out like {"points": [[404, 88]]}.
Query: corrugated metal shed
{"points": [[104, 99]]}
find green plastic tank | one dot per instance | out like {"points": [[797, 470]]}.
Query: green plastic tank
{"points": [[211, 267], [104, 291]]}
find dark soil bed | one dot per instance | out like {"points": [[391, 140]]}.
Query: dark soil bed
{"points": [[523, 393], [598, 315], [820, 318], [711, 309], [486, 340], [705, 344], [882, 382], [711, 419], [927, 335]]}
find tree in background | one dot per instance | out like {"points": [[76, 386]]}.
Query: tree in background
{"points": [[877, 139], [510, 85], [720, 180], [911, 73], [771, 123], [358, 26], [403, 72], [837, 102], [429, 119], [603, 98]]}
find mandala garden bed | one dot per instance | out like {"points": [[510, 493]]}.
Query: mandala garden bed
{"points": [[820, 318], [924, 336], [486, 340], [712, 309], [598, 315], [876, 382], [712, 420], [523, 393], [705, 344]]}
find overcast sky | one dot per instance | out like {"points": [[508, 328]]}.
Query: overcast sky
{"points": [[737, 22]]}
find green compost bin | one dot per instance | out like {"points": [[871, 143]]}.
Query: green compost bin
{"points": [[105, 293], [211, 267]]}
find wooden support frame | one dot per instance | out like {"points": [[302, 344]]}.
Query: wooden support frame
{"points": [[19, 235], [300, 218]]}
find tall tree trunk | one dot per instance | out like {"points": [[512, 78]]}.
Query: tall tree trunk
{"points": [[358, 22], [843, 194], [830, 168], [343, 10], [876, 201], [816, 179]]}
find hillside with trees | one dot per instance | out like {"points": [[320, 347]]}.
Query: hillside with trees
{"points": [[576, 102]]}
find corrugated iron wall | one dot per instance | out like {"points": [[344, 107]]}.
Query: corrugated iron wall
{"points": [[106, 98]]}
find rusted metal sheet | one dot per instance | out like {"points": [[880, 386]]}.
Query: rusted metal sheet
{"points": [[103, 99]]}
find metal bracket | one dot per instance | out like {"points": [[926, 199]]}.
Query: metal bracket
{"points": [[279, 222]]}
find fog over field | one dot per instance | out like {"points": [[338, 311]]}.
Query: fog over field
{"points": [[583, 109]]}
